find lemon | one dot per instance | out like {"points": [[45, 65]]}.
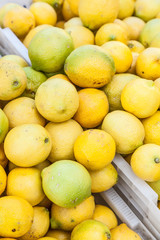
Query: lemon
{"points": [[147, 157], [103, 179], [148, 63], [132, 68], [27, 145], [16, 59], [156, 187], [66, 11], [34, 80], [89, 66], [135, 46], [91, 229], [3, 159], [59, 234], [80, 35], [149, 31], [3, 179], [152, 128], [75, 21], [60, 24], [123, 25], [22, 110], [43, 164], [114, 89], [94, 149], [142, 90], [123, 231], [57, 100], [157, 83], [110, 32], [49, 48], [45, 202], [11, 226], [68, 218], [62, 76], [127, 138], [4, 10], [43, 13], [4, 125], [94, 14], [13, 80], [40, 224], [156, 41], [105, 215], [63, 137], [121, 54], [146, 10], [33, 32], [54, 3], [20, 20], [25, 183], [47, 238], [92, 102], [135, 26], [126, 8], [66, 183], [74, 6]]}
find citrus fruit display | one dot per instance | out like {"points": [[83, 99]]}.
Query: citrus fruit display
{"points": [[84, 92]]}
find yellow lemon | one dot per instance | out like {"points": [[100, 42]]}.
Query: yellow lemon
{"points": [[3, 159], [22, 110], [56, 4], [114, 89], [132, 68], [59, 234], [157, 83], [103, 179], [135, 95], [89, 66], [25, 183], [156, 187], [147, 157], [149, 31], [4, 9], [43, 13], [52, 101], [47, 238], [110, 32], [75, 21], [32, 33], [63, 137], [94, 14], [3, 179], [40, 224], [68, 218], [17, 59], [124, 232], [60, 24], [145, 10], [13, 80], [152, 128], [4, 125], [91, 229], [148, 63], [20, 20], [11, 226], [135, 26], [94, 149], [156, 41], [121, 54], [126, 8], [106, 216], [135, 46], [62, 76], [123, 25], [27, 145], [66, 11], [92, 102], [80, 35], [127, 138], [74, 6]]}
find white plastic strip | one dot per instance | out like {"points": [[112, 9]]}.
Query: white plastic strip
{"points": [[25, 3], [125, 214], [10, 44]]}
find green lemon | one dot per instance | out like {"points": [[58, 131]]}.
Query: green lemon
{"points": [[4, 125]]}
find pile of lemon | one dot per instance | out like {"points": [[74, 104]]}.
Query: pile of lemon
{"points": [[93, 90]]}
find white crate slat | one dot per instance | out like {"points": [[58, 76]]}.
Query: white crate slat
{"points": [[25, 3]]}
